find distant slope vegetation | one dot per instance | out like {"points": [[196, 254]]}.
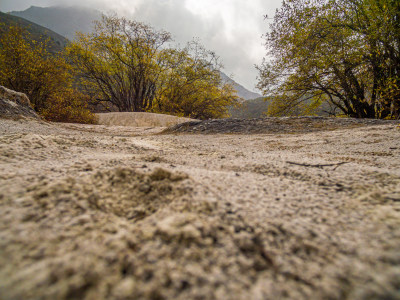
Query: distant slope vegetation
{"points": [[63, 20], [258, 108], [38, 33], [255, 108]]}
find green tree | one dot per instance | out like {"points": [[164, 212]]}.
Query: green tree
{"points": [[343, 52]]}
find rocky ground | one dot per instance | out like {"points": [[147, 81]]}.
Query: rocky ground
{"points": [[14, 105], [267, 125], [108, 212]]}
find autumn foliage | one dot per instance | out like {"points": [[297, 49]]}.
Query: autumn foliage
{"points": [[122, 65], [341, 53], [130, 66], [47, 80], [69, 106]]}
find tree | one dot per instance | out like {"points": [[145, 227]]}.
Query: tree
{"points": [[191, 86], [26, 66], [68, 105], [130, 66], [120, 62], [343, 52]]}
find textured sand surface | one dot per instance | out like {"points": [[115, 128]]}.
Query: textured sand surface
{"points": [[108, 212], [139, 119]]}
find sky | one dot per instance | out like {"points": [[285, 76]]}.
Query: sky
{"points": [[233, 29]]}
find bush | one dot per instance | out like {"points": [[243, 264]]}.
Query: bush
{"points": [[69, 106]]}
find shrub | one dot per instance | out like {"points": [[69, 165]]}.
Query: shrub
{"points": [[69, 106]]}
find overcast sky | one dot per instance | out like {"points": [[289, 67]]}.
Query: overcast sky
{"points": [[231, 28]]}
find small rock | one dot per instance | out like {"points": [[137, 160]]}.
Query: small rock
{"points": [[125, 288]]}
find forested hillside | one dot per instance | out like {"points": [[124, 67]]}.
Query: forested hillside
{"points": [[254, 108], [39, 33], [63, 20]]}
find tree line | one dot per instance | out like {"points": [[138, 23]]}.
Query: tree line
{"points": [[122, 65]]}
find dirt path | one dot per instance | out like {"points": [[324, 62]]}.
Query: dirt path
{"points": [[107, 212]]}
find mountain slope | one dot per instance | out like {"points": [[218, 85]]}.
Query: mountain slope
{"points": [[250, 109], [63, 20], [38, 33], [241, 90]]}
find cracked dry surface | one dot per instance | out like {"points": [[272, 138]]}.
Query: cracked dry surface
{"points": [[104, 212]]}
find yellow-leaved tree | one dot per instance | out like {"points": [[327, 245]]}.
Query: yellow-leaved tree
{"points": [[26, 66], [129, 66], [192, 84], [344, 54]]}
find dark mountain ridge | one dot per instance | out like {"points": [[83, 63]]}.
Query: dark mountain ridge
{"points": [[63, 20], [38, 33], [241, 90]]}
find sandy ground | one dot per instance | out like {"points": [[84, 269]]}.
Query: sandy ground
{"points": [[108, 212], [139, 119]]}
